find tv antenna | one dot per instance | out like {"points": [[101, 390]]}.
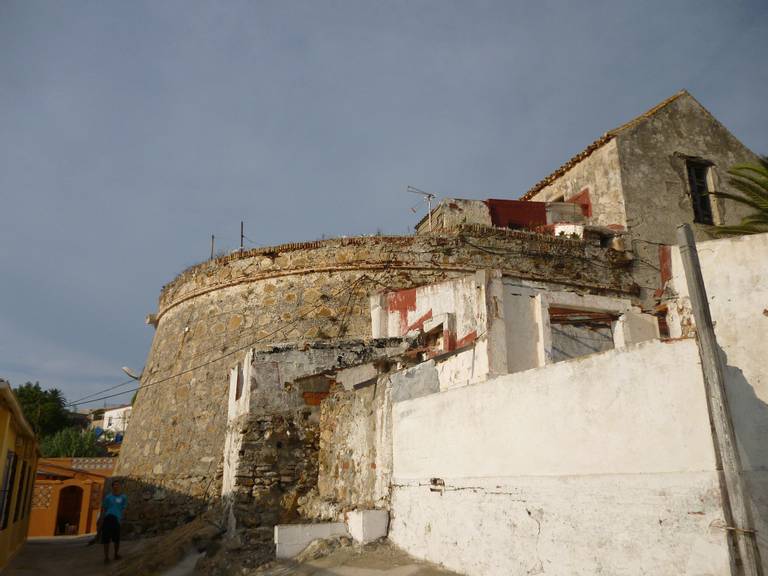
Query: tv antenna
{"points": [[428, 197]]}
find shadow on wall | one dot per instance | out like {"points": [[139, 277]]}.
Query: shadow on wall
{"points": [[750, 421], [154, 509]]}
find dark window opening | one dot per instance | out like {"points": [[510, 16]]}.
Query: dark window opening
{"points": [[697, 182], [239, 388], [7, 492], [578, 333], [22, 492], [30, 490]]}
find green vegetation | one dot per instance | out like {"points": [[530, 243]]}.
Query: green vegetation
{"points": [[71, 442], [45, 412], [43, 409], [751, 181]]}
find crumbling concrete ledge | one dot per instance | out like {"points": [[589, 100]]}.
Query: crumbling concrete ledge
{"points": [[290, 539]]}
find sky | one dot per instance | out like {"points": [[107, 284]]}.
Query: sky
{"points": [[132, 131]]}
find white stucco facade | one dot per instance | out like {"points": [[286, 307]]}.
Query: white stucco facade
{"points": [[116, 419], [594, 465]]}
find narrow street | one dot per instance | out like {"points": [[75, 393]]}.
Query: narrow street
{"points": [[66, 555], [63, 556]]}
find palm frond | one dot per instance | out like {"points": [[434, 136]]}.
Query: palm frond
{"points": [[750, 180], [757, 218], [736, 198], [738, 230]]}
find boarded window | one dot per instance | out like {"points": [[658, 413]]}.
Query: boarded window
{"points": [[700, 199]]}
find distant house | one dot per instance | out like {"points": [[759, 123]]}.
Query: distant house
{"points": [[116, 419], [18, 448]]}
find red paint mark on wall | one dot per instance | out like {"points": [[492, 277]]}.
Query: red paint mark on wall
{"points": [[419, 324], [449, 340], [583, 200], [402, 302], [517, 213], [466, 340], [314, 398], [665, 266], [545, 229]]}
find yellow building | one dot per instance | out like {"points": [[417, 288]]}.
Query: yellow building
{"points": [[18, 458], [66, 500]]}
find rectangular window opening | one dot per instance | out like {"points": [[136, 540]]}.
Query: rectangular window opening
{"points": [[239, 386], [578, 333], [7, 492], [698, 172], [22, 492]]}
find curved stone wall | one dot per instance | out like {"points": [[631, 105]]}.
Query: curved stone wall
{"points": [[212, 313]]}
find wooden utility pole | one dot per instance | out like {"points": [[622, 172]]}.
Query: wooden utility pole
{"points": [[736, 503], [212, 245]]}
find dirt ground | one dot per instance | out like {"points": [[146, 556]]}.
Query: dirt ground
{"points": [[370, 560], [70, 555], [65, 555]]}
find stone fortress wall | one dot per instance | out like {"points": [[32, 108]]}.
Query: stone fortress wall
{"points": [[213, 313]]}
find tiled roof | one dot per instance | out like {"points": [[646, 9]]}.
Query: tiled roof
{"points": [[604, 139]]}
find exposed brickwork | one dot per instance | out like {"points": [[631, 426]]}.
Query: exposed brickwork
{"points": [[278, 454], [355, 460], [278, 464]]}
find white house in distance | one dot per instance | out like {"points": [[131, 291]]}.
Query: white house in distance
{"points": [[116, 418]]}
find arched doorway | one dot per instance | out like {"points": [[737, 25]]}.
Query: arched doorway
{"points": [[68, 514]]}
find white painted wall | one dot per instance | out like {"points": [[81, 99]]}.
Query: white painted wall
{"points": [[735, 273], [602, 464], [506, 318], [237, 413], [116, 419], [457, 297]]}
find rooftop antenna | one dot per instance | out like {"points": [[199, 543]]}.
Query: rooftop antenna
{"points": [[428, 196]]}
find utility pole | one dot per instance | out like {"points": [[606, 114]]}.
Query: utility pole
{"points": [[242, 235], [212, 243], [736, 504]]}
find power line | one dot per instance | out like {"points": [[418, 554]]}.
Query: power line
{"points": [[89, 398], [590, 261], [228, 354], [244, 309], [80, 400]]}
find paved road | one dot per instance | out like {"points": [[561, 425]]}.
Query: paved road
{"points": [[63, 556]]}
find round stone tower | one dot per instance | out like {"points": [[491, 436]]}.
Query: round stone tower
{"points": [[212, 313]]}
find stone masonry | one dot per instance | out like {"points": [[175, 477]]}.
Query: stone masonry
{"points": [[214, 312], [277, 460]]}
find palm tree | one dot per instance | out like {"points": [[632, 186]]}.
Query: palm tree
{"points": [[751, 181]]}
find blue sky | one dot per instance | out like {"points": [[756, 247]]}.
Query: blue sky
{"points": [[132, 131]]}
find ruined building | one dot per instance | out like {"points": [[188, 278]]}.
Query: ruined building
{"points": [[275, 374], [634, 185]]}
